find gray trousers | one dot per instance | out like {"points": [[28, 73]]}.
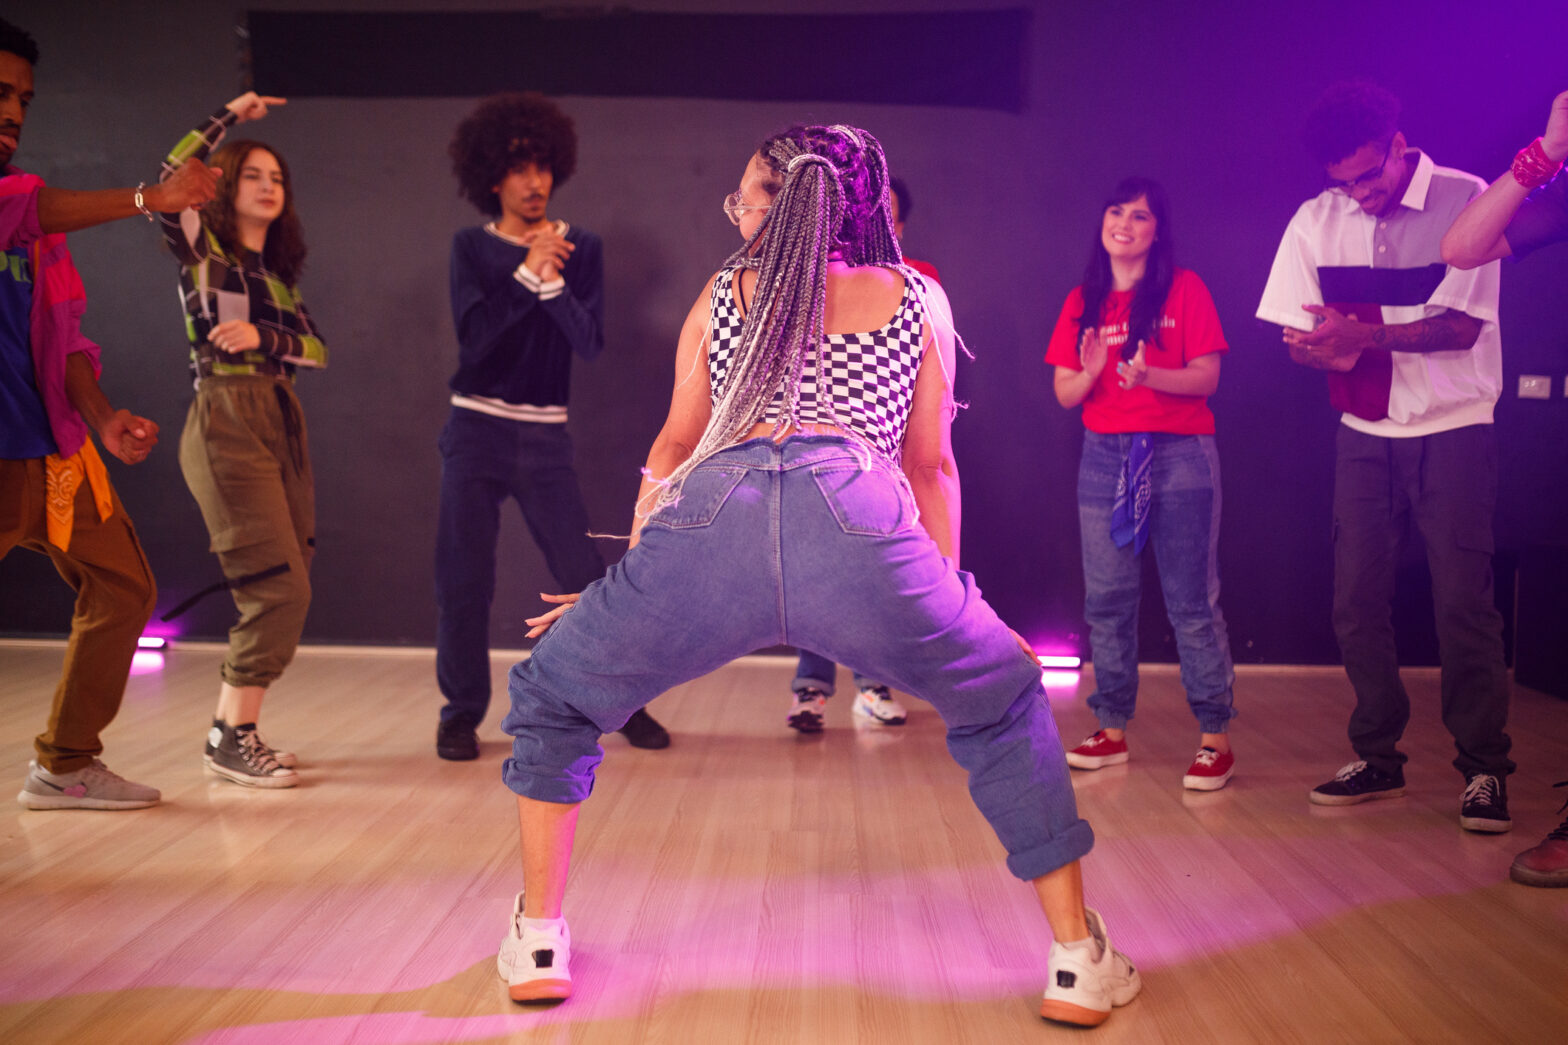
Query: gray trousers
{"points": [[1446, 485]]}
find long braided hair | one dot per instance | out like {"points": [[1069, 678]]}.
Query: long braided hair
{"points": [[830, 202]]}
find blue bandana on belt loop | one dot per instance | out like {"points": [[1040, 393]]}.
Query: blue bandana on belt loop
{"points": [[1134, 495]]}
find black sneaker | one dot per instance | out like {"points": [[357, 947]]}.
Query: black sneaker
{"points": [[456, 741], [287, 759], [236, 752], [1484, 805], [642, 731], [1358, 782]]}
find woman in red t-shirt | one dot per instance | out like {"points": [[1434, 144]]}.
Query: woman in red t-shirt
{"points": [[1149, 471]]}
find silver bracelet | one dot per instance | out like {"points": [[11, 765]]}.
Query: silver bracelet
{"points": [[141, 203]]}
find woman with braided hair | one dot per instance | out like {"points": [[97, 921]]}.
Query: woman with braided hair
{"points": [[803, 491]]}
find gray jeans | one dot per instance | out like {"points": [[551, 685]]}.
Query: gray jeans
{"points": [[1446, 484]]}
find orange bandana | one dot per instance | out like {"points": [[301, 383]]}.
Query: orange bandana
{"points": [[62, 478]]}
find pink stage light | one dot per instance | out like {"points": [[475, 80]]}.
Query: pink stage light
{"points": [[152, 642], [146, 661]]}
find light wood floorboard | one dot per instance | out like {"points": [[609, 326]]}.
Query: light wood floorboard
{"points": [[752, 885]]}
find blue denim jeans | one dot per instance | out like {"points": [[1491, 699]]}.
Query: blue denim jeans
{"points": [[484, 461], [798, 543], [1184, 525], [814, 671]]}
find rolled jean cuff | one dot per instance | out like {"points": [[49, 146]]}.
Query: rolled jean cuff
{"points": [[1112, 721], [566, 788], [1214, 725], [1063, 849], [807, 682]]}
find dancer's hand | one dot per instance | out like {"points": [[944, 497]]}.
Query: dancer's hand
{"points": [[1133, 371], [542, 623], [252, 106], [236, 335], [192, 184], [547, 253], [128, 437], [1335, 344], [1093, 353]]}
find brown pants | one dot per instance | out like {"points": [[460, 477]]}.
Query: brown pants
{"points": [[115, 593], [245, 458]]}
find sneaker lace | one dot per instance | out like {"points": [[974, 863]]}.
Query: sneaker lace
{"points": [[878, 693], [256, 753], [1206, 757], [1482, 788], [1351, 770]]}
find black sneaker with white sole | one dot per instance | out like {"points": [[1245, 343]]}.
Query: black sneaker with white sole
{"points": [[1484, 805], [1358, 782], [236, 752]]}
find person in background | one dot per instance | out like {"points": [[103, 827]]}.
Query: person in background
{"points": [[1523, 210], [56, 498], [527, 296], [814, 674], [244, 451], [1149, 472], [1414, 363]]}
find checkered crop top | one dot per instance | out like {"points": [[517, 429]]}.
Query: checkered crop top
{"points": [[870, 380]]}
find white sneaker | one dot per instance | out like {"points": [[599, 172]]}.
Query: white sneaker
{"points": [[807, 710], [876, 704], [533, 962], [1083, 989]]}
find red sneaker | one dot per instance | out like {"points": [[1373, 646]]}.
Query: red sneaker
{"points": [[1098, 751], [1210, 771]]}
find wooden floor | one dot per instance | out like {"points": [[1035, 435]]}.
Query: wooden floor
{"points": [[752, 885]]}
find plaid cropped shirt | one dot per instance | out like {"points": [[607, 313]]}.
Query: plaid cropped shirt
{"points": [[217, 284]]}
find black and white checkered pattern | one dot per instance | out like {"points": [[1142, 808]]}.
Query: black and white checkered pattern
{"points": [[866, 381]]}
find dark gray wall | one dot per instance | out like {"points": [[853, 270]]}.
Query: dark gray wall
{"points": [[1207, 98]]}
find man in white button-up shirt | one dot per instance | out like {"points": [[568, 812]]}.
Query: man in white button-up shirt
{"points": [[1414, 362]]}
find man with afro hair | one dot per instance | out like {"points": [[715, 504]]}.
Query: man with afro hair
{"points": [[527, 295]]}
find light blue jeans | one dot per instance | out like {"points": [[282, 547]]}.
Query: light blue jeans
{"points": [[814, 671], [798, 543], [1184, 526]]}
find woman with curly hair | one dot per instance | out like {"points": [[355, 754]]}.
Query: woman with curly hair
{"points": [[1149, 471], [803, 491], [527, 295], [244, 452]]}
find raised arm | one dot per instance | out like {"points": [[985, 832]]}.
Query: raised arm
{"points": [[691, 405], [1479, 234], [182, 227], [928, 460]]}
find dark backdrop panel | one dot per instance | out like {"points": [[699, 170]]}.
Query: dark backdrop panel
{"points": [[972, 59], [1006, 203]]}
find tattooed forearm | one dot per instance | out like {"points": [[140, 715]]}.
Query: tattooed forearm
{"points": [[1447, 332]]}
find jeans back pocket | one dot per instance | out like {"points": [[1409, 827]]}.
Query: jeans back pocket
{"points": [[701, 496], [863, 501]]}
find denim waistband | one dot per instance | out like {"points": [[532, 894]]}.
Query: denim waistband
{"points": [[797, 451]]}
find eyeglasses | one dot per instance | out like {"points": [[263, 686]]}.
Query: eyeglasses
{"points": [[734, 208], [1361, 181]]}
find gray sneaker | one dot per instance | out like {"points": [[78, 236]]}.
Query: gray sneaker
{"points": [[94, 786]]}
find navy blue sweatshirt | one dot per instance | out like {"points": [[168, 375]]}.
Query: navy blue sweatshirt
{"points": [[515, 336]]}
